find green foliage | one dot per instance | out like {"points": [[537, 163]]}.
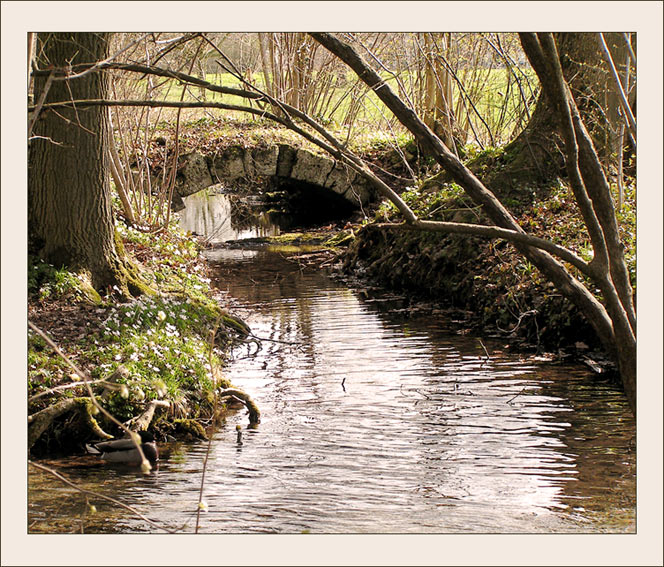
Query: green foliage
{"points": [[473, 152], [44, 370], [163, 341], [373, 140], [46, 282], [447, 202]]}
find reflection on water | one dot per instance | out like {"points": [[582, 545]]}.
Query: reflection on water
{"points": [[378, 420], [219, 218]]}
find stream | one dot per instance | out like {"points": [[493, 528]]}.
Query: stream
{"points": [[376, 418]]}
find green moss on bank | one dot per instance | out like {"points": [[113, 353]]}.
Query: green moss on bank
{"points": [[500, 291], [159, 346]]}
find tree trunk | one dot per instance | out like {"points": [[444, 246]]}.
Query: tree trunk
{"points": [[69, 209], [537, 154], [613, 327]]}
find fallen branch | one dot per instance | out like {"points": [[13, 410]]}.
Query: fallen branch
{"points": [[515, 397], [41, 421], [485, 350], [518, 323]]}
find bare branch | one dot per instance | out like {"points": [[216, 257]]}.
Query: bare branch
{"points": [[484, 231], [100, 64], [102, 496], [40, 103], [573, 289], [627, 111]]}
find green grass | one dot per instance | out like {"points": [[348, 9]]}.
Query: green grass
{"points": [[372, 113]]}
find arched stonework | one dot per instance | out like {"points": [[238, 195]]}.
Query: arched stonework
{"points": [[239, 164]]}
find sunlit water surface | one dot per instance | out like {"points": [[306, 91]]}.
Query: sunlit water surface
{"points": [[375, 419], [212, 216]]}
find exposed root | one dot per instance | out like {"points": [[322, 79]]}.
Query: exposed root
{"points": [[42, 420], [254, 412], [142, 422]]}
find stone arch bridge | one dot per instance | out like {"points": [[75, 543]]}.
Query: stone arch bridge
{"points": [[280, 167]]}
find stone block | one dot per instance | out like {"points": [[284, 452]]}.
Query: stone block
{"points": [[193, 174], [311, 168], [340, 178], [265, 160], [285, 160], [229, 165]]}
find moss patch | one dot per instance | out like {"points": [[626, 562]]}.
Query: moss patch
{"points": [[160, 345]]}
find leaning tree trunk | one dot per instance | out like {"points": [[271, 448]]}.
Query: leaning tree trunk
{"points": [[614, 324], [70, 216], [537, 154]]}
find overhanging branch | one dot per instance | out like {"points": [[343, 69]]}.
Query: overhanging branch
{"points": [[484, 231], [510, 231]]}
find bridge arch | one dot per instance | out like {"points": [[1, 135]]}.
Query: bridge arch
{"points": [[298, 171]]}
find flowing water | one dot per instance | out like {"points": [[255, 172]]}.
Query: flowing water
{"points": [[220, 218], [376, 418]]}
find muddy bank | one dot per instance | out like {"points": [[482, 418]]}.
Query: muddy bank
{"points": [[486, 284]]}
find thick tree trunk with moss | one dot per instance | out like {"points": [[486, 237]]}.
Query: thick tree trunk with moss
{"points": [[537, 155], [70, 215]]}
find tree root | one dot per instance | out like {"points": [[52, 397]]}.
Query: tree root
{"points": [[41, 421], [235, 323], [254, 412], [142, 422], [127, 274]]}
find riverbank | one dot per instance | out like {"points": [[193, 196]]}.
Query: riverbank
{"points": [[487, 284], [370, 407], [167, 347], [158, 348]]}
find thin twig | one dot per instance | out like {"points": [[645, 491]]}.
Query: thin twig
{"points": [[145, 464], [213, 334], [622, 97], [518, 323], [485, 351], [45, 138], [67, 387], [102, 496], [292, 343], [40, 102], [513, 398]]}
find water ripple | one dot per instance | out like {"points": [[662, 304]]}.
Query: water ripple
{"points": [[382, 421]]}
